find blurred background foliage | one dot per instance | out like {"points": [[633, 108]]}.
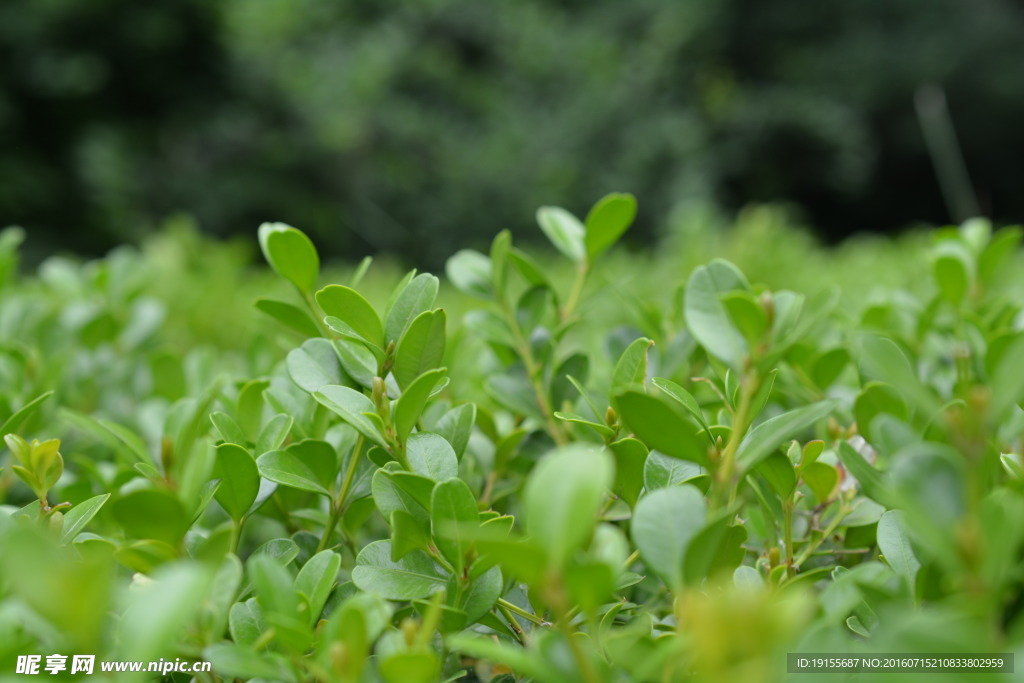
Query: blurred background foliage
{"points": [[416, 128]]}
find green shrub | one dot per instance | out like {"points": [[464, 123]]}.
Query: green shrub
{"points": [[618, 469]]}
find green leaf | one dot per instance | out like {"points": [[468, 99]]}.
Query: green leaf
{"points": [[388, 496], [660, 471], [706, 315], [316, 579], [631, 368], [416, 297], [607, 221], [152, 514], [684, 397], [876, 398], [410, 404], [421, 347], [244, 625], [821, 479], [868, 477], [630, 457], [470, 272], [482, 594], [239, 479], [659, 425], [431, 456], [229, 430], [953, 267], [894, 544], [414, 576], [778, 470], [291, 254], [528, 268], [716, 547], [351, 307], [564, 230], [453, 515], [772, 433], [664, 523], [407, 534], [287, 469], [80, 515], [828, 366], [320, 457], [883, 360], [1007, 381], [562, 496], [273, 585], [456, 426], [292, 317], [350, 405], [274, 433], [746, 315], [15, 421]]}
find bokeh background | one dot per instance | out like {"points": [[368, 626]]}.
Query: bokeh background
{"points": [[416, 128]]}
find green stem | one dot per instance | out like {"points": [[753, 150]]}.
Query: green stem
{"points": [[515, 609], [318, 316], [833, 525], [725, 477], [236, 534], [338, 503], [332, 521], [533, 373], [512, 623], [576, 292], [787, 530]]}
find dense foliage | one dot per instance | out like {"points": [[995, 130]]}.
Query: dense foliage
{"points": [[424, 127], [582, 468]]}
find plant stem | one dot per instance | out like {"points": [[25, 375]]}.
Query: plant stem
{"points": [[533, 373], [787, 531], [332, 521], [515, 609], [338, 503], [512, 623], [833, 525], [724, 479], [576, 292]]}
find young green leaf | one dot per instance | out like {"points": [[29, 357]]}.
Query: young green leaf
{"points": [[350, 405], [894, 544], [431, 456], [239, 479], [659, 425], [470, 272], [453, 516], [350, 306], [770, 434], [564, 230], [287, 469], [421, 347], [80, 515], [664, 523], [562, 496], [706, 315], [414, 576], [415, 297], [410, 404], [607, 221], [316, 579], [631, 368], [291, 254], [292, 317]]}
